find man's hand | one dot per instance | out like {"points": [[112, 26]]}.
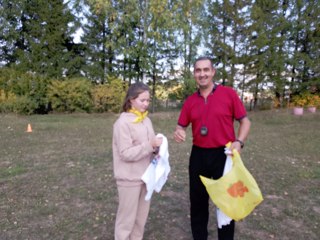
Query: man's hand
{"points": [[236, 145], [179, 134]]}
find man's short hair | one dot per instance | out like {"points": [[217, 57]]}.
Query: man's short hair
{"points": [[201, 59]]}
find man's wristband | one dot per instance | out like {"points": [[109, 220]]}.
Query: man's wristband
{"points": [[241, 143]]}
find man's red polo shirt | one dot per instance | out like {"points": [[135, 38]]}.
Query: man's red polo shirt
{"points": [[217, 113]]}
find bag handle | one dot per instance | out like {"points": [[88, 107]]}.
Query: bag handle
{"points": [[235, 154]]}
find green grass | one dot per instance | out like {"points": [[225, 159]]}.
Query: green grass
{"points": [[11, 171], [57, 182]]}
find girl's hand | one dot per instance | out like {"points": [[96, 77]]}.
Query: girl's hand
{"points": [[156, 142]]}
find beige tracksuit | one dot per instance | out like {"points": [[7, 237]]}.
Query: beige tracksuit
{"points": [[132, 153]]}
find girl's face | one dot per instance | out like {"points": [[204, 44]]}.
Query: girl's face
{"points": [[141, 103]]}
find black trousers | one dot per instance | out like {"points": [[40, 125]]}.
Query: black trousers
{"points": [[208, 162]]}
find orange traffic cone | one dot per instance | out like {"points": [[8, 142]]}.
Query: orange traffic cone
{"points": [[29, 129]]}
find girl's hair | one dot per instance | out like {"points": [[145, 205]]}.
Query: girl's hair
{"points": [[133, 92]]}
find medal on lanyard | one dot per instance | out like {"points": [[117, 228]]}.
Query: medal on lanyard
{"points": [[204, 129]]}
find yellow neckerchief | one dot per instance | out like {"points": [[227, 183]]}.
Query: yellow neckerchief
{"points": [[140, 115]]}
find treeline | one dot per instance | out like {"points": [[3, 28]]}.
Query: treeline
{"points": [[265, 47], [29, 93]]}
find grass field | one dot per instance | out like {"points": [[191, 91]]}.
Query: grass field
{"points": [[57, 182]]}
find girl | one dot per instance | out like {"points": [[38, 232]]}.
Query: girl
{"points": [[134, 143]]}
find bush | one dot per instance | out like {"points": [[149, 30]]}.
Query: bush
{"points": [[109, 97], [306, 99], [189, 87], [7, 100], [265, 103], [24, 105], [26, 86], [312, 100], [299, 101], [72, 95]]}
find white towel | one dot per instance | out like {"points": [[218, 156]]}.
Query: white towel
{"points": [[158, 170], [221, 217]]}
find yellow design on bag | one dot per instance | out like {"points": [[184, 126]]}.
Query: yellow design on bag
{"points": [[140, 115], [236, 193]]}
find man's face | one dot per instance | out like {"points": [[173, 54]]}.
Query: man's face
{"points": [[203, 73]]}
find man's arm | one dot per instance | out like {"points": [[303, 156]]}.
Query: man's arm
{"points": [[243, 132]]}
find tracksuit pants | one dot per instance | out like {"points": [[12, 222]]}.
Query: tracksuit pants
{"points": [[132, 213], [208, 162]]}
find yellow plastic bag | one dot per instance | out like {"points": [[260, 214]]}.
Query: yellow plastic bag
{"points": [[236, 193]]}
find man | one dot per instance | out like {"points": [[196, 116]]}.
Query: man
{"points": [[211, 111]]}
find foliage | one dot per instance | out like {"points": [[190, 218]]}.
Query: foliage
{"points": [[165, 93], [161, 93], [312, 100], [109, 97], [24, 105], [72, 95], [276, 103], [24, 86], [6, 95], [7, 100], [265, 103], [177, 91], [224, 21], [37, 37], [98, 34], [189, 86], [299, 101], [306, 99]]}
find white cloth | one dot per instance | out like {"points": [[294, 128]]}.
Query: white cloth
{"points": [[158, 170], [221, 217]]}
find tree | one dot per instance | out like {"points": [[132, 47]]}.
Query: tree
{"points": [[12, 31], [98, 37], [261, 49], [189, 13], [225, 24], [37, 37], [304, 45]]}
